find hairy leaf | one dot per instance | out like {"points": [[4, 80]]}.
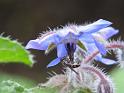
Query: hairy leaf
{"points": [[12, 51], [14, 87]]}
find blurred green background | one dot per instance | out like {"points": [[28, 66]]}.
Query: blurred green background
{"points": [[25, 19]]}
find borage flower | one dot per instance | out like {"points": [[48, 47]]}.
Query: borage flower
{"points": [[67, 39]]}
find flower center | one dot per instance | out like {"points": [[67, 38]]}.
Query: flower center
{"points": [[71, 47]]}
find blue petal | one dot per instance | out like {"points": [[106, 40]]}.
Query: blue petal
{"points": [[61, 51], [91, 43], [101, 47], [108, 32], [107, 61], [91, 47], [50, 39], [96, 26], [33, 44], [86, 38], [42, 44], [54, 62]]}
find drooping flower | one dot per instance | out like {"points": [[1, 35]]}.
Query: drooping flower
{"points": [[67, 39]]}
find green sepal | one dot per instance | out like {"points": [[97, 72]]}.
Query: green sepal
{"points": [[81, 45], [50, 48]]}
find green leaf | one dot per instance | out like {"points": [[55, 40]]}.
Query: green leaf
{"points": [[9, 86], [14, 52], [43, 90], [25, 81], [81, 45]]}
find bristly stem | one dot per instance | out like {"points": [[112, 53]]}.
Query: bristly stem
{"points": [[105, 84], [94, 70]]}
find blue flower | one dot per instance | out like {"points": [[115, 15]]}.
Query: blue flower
{"points": [[67, 39], [105, 34]]}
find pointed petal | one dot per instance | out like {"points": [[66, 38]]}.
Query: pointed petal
{"points": [[54, 62], [94, 27], [107, 61], [86, 38], [61, 50], [101, 47], [34, 44], [42, 43], [91, 47], [94, 41], [107, 32]]}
